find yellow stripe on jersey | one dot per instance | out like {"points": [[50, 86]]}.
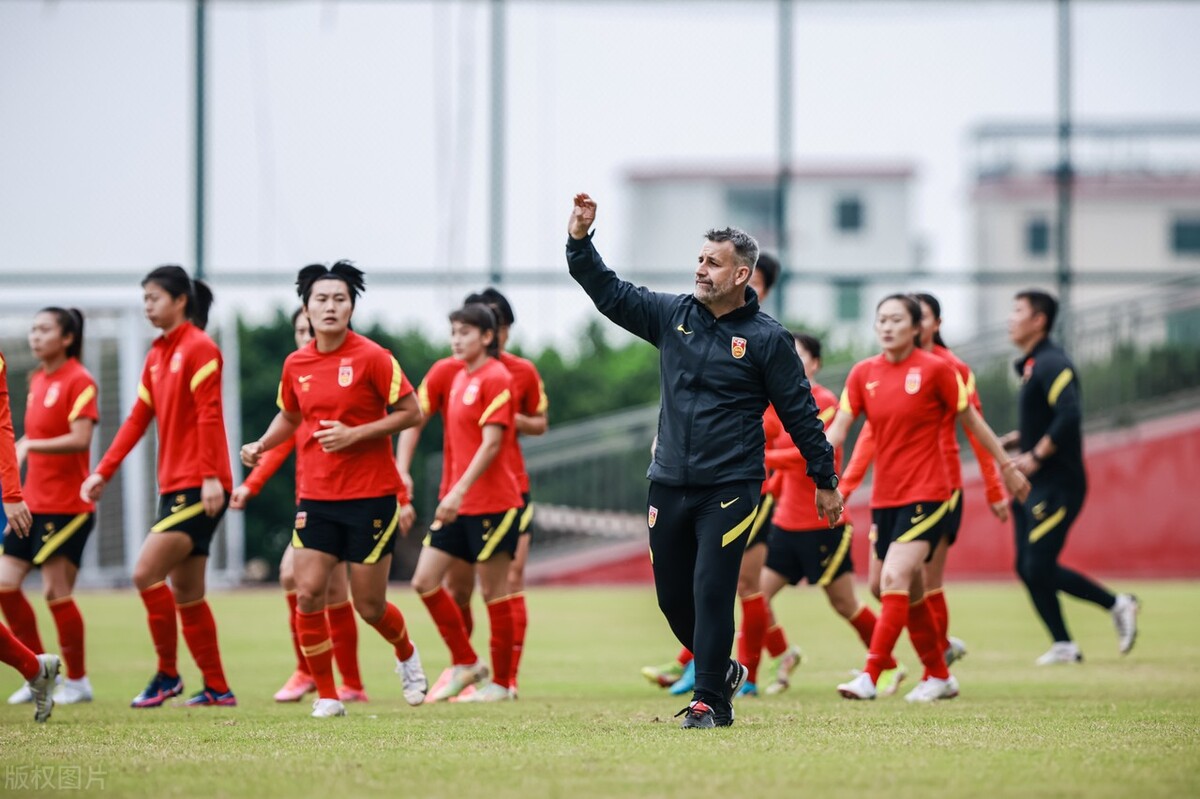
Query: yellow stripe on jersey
{"points": [[423, 397], [144, 395], [1, 364], [59, 538], [826, 415], [279, 396], [925, 524], [1038, 532], [85, 396], [1059, 385], [543, 400], [497, 535], [844, 403], [836, 561], [203, 373], [498, 403], [740, 528], [961, 404], [397, 379], [970, 383], [385, 538]]}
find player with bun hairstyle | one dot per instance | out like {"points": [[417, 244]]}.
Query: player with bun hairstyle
{"points": [[906, 394], [341, 397], [180, 390], [60, 417]]}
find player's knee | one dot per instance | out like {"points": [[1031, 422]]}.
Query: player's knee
{"points": [[145, 576], [460, 595], [309, 600], [423, 584], [370, 609]]}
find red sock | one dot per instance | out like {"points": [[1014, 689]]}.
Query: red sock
{"points": [[450, 624], [344, 631], [20, 617], [200, 633], [754, 630], [892, 618], [775, 640], [70, 635], [392, 627], [501, 641], [17, 655], [863, 622], [520, 618], [935, 600], [467, 617], [922, 631], [318, 651], [160, 615], [301, 663], [684, 657]]}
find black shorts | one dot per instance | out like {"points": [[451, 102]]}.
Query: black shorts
{"points": [[954, 517], [52, 534], [1042, 521], [525, 515], [353, 530], [477, 539], [183, 512], [760, 530], [819, 556], [920, 521]]}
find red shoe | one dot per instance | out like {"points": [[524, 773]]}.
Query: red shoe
{"points": [[296, 687], [348, 694]]}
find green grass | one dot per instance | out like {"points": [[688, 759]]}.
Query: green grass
{"points": [[588, 725]]}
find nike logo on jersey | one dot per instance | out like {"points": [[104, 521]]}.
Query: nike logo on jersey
{"points": [[684, 332], [179, 507], [917, 519], [304, 378], [730, 502], [871, 386]]}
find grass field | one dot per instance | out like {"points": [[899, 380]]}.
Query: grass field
{"points": [[588, 725]]}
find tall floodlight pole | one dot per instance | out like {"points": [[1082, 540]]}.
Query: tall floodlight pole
{"points": [[496, 189], [1064, 174], [784, 158], [201, 14]]}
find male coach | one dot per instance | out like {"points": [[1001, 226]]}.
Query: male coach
{"points": [[721, 361], [1051, 455]]}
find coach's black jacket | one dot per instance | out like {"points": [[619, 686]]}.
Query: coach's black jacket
{"points": [[1050, 404], [716, 376]]}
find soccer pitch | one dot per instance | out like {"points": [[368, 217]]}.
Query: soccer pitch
{"points": [[587, 724]]}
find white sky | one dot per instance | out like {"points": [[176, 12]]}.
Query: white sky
{"points": [[359, 129]]}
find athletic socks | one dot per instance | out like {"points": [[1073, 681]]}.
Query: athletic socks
{"points": [[935, 600], [160, 616], [467, 617], [501, 641], [301, 663], [520, 619], [69, 622], [21, 619], [893, 615], [17, 655], [450, 625], [754, 630], [775, 640], [318, 651], [923, 632], [863, 621], [200, 633], [393, 629], [344, 631], [684, 657]]}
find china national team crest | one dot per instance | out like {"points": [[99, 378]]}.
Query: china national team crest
{"points": [[345, 375], [176, 362], [912, 381], [1028, 371], [737, 346], [52, 394], [301, 519], [652, 515], [471, 394]]}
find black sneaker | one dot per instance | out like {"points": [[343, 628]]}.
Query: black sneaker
{"points": [[734, 678], [698, 715]]}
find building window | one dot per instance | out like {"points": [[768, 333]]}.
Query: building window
{"points": [[1185, 236], [1037, 236], [849, 300], [848, 214], [753, 210]]}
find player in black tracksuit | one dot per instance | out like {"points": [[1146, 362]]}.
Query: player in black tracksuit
{"points": [[1051, 444], [721, 361]]}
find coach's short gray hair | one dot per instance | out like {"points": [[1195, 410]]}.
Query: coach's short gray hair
{"points": [[744, 244]]}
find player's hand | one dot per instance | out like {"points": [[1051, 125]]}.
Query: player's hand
{"points": [[447, 509], [92, 488], [212, 496], [830, 505], [1010, 441], [335, 436], [251, 453], [1000, 510], [408, 515], [22, 451], [240, 496], [583, 216], [19, 518], [406, 478], [1015, 480], [1026, 464]]}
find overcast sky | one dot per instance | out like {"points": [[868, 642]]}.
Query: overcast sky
{"points": [[359, 129]]}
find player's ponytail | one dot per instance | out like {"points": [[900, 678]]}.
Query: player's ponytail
{"points": [[175, 281], [935, 308], [199, 303], [70, 322]]}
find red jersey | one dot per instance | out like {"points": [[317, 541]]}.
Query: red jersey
{"points": [[987, 466], [354, 384], [906, 404], [433, 394], [529, 399], [55, 401], [476, 399], [10, 475], [181, 389], [797, 509]]}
